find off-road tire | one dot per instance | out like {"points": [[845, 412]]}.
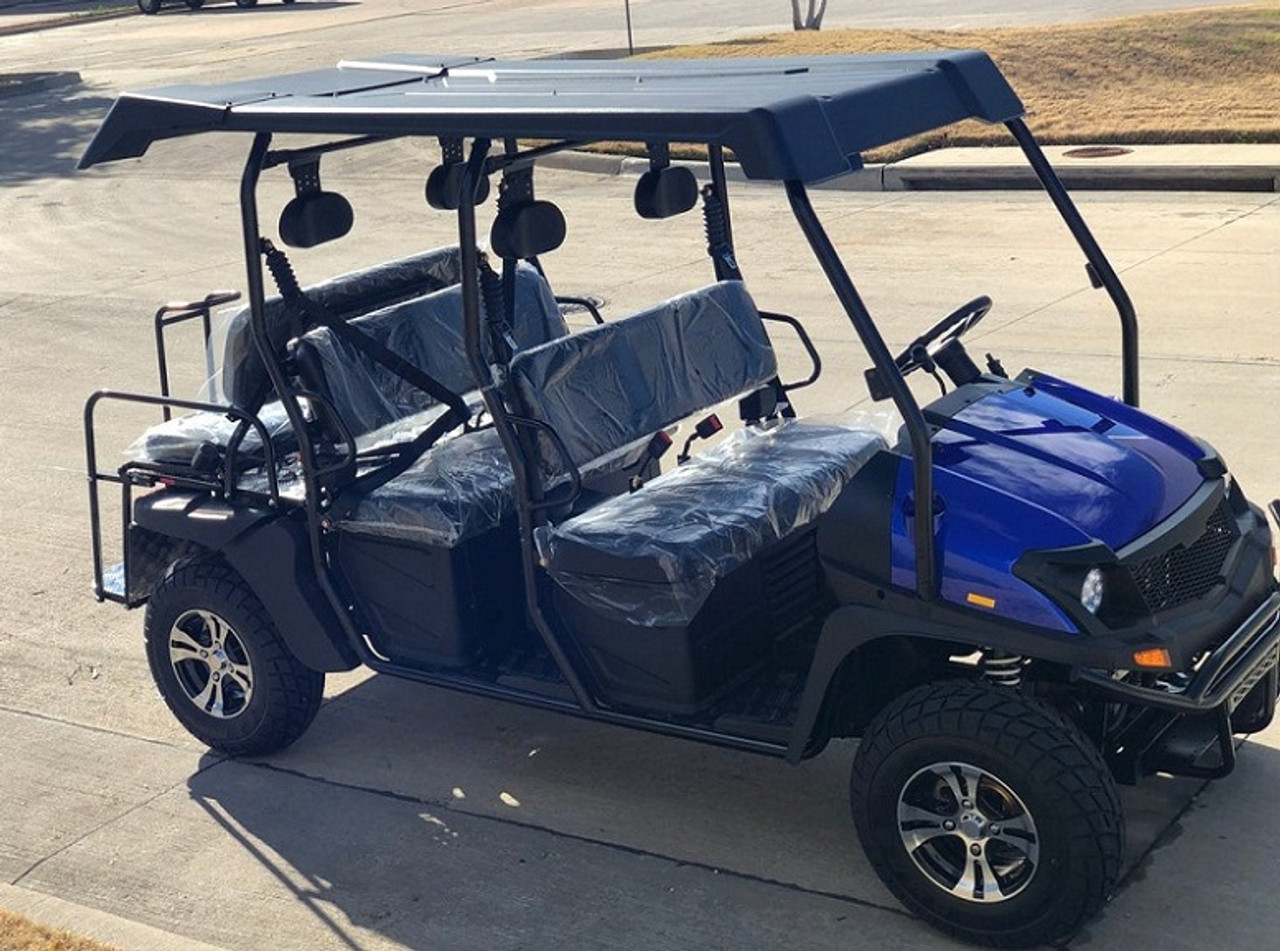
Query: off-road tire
{"points": [[149, 6], [285, 694], [1043, 759]]}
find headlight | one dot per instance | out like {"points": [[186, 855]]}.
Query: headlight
{"points": [[1092, 590]]}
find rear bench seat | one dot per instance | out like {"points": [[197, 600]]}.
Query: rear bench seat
{"points": [[375, 404], [645, 573], [242, 378]]}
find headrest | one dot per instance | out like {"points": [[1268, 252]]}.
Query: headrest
{"points": [[527, 229], [444, 186], [666, 192], [314, 218]]}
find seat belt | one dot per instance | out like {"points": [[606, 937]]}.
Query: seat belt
{"points": [[287, 283], [457, 413]]}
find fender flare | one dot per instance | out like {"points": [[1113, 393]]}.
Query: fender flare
{"points": [[846, 630], [271, 552]]}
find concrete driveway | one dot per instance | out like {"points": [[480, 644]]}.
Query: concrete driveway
{"points": [[411, 817]]}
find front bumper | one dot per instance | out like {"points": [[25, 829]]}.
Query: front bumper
{"points": [[1226, 676], [1190, 731]]}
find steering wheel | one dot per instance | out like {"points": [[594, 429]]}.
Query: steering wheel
{"points": [[951, 327]]}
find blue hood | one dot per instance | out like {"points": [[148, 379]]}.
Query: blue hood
{"points": [[1109, 470]]}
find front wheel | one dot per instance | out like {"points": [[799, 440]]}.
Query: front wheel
{"points": [[246, 4], [149, 6], [221, 665], [987, 814]]}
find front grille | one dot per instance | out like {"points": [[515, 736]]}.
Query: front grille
{"points": [[1186, 572]]}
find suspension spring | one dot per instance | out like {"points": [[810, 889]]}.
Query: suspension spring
{"points": [[1003, 669]]}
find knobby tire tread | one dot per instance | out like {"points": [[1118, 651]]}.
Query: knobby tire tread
{"points": [[294, 692], [1056, 755]]}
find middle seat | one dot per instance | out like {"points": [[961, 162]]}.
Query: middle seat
{"points": [[376, 405], [463, 486]]}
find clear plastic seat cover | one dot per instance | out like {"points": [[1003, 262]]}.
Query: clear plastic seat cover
{"points": [[652, 558]]}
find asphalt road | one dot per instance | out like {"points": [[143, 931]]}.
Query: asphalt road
{"points": [[386, 826]]}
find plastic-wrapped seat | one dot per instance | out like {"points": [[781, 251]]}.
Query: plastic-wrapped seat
{"points": [[669, 592], [652, 558], [374, 403], [431, 556], [241, 378], [461, 487]]}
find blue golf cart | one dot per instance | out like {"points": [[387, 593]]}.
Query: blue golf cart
{"points": [[1025, 594]]}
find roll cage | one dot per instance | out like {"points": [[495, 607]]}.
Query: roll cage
{"points": [[798, 121]]}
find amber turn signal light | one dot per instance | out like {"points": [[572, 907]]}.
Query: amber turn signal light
{"points": [[1152, 657]]}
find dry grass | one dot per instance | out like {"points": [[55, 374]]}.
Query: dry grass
{"points": [[1196, 76], [21, 934]]}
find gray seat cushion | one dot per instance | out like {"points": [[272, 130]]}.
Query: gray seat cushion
{"points": [[608, 386], [175, 441]]}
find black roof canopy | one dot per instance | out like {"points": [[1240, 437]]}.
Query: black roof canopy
{"points": [[788, 118]]}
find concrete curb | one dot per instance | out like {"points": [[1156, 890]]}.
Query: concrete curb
{"points": [[1246, 168], [868, 179], [37, 22], [88, 922], [35, 82], [1243, 168]]}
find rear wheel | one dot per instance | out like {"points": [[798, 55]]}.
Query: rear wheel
{"points": [[222, 667], [987, 814], [195, 4], [246, 4], [149, 6]]}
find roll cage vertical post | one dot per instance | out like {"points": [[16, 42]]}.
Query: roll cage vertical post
{"points": [[917, 428], [473, 343], [258, 320], [262, 340], [1101, 272]]}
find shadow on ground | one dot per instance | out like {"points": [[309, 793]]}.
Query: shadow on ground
{"points": [[45, 132], [357, 824]]}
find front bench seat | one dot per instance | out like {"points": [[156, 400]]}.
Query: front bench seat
{"points": [[653, 557]]}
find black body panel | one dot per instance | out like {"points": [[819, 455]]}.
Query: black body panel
{"points": [[433, 605], [271, 553]]}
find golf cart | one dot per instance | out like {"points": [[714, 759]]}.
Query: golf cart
{"points": [[1027, 593], [153, 6]]}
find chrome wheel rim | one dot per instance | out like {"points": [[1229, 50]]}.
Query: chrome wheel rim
{"points": [[968, 832], [211, 664]]}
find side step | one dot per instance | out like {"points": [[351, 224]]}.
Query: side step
{"points": [[1197, 746]]}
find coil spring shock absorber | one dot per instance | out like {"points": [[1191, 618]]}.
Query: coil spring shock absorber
{"points": [[1003, 669]]}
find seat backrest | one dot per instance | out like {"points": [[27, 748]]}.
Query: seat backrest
{"points": [[606, 387], [243, 378], [427, 331]]}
